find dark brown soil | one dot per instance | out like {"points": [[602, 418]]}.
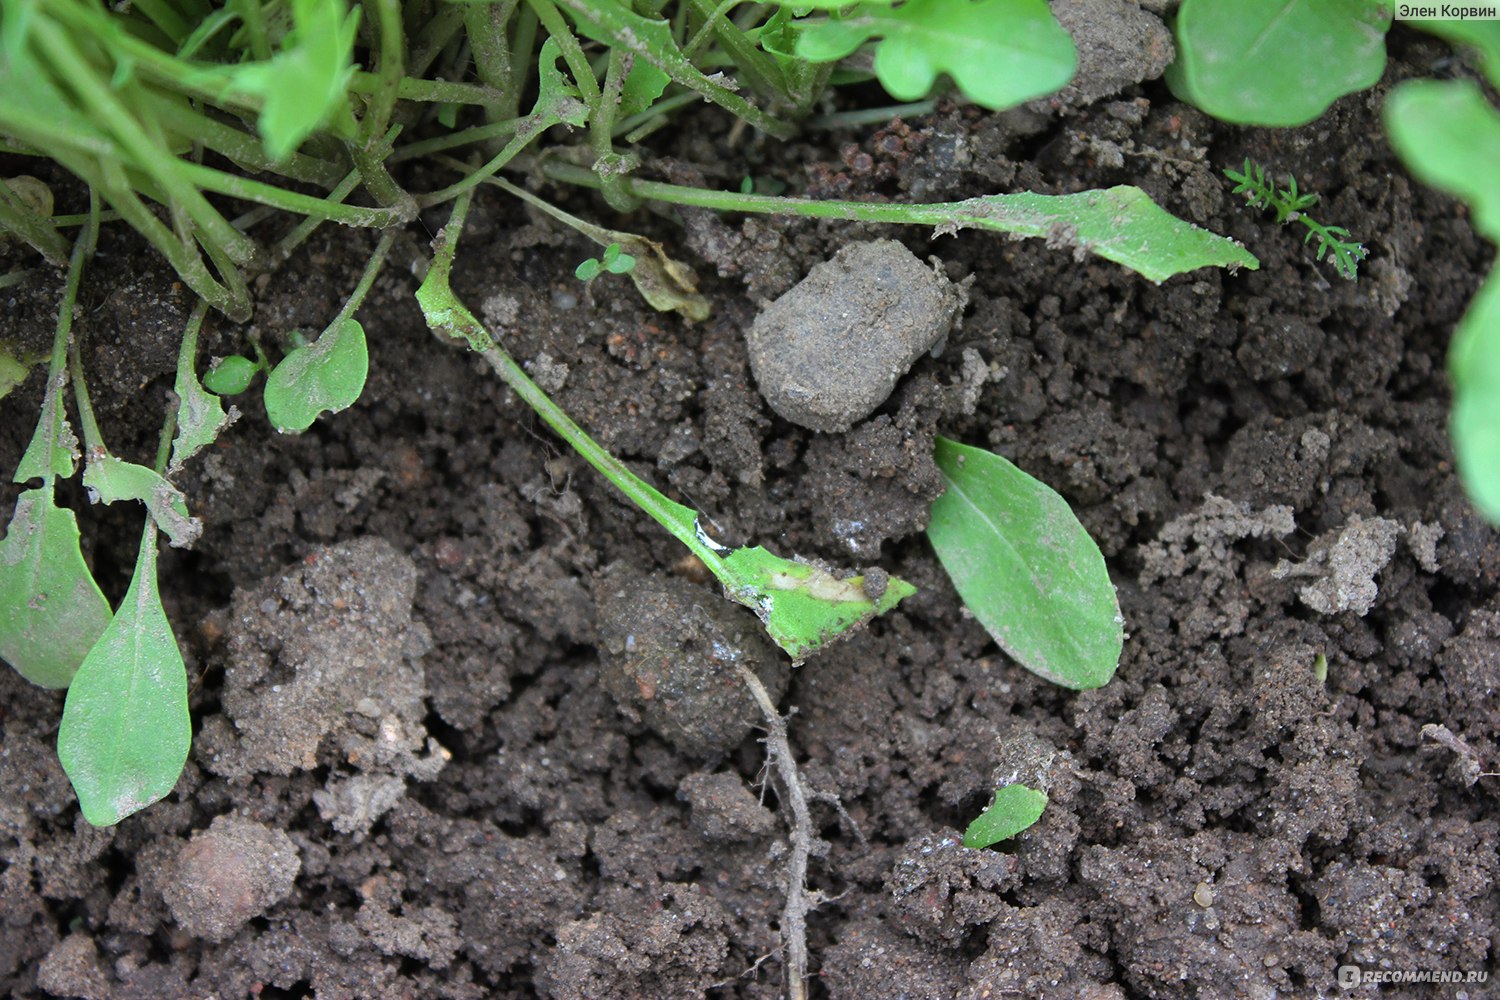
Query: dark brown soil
{"points": [[410, 778]]}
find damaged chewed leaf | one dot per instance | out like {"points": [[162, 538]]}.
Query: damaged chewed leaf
{"points": [[1014, 809], [1026, 568]]}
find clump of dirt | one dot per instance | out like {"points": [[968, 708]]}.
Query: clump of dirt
{"points": [[830, 350], [223, 876], [669, 650]]}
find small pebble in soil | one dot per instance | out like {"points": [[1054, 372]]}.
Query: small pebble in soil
{"points": [[669, 651], [831, 350], [225, 875]]}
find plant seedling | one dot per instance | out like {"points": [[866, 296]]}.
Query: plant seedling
{"points": [[1289, 204], [802, 606], [612, 260], [1015, 808]]}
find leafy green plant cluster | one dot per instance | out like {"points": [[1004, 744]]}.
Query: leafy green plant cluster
{"points": [[226, 134], [1278, 63], [1290, 205]]}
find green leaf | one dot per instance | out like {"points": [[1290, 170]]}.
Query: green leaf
{"points": [[1449, 138], [53, 450], [303, 87], [1276, 62], [51, 610], [326, 376], [588, 270], [1482, 36], [230, 376], [109, 479], [1000, 52], [1121, 224], [623, 263], [1015, 808], [1026, 568], [1474, 362], [12, 371], [125, 728], [200, 416]]}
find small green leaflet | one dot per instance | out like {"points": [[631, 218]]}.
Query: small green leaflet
{"points": [[109, 479], [200, 416], [303, 86], [1015, 808], [1001, 53], [51, 611], [1276, 62], [125, 728], [325, 376], [230, 376], [12, 371], [1026, 568]]}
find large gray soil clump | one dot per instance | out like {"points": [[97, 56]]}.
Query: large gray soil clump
{"points": [[829, 351]]}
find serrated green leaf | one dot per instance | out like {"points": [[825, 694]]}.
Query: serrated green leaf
{"points": [[109, 479], [1121, 224], [200, 416], [1026, 568], [125, 729], [1000, 52], [1015, 808], [326, 376], [51, 610], [1276, 62]]}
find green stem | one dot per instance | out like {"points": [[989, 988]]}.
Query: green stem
{"points": [[447, 315], [239, 146], [434, 36], [246, 189], [464, 137], [601, 133], [760, 71], [429, 91], [485, 27], [623, 29], [366, 279], [283, 250], [572, 52], [390, 71]]}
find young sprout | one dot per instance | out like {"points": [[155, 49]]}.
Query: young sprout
{"points": [[1291, 204], [614, 260]]}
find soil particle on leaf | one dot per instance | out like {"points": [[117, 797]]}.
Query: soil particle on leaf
{"points": [[668, 651], [830, 350], [223, 876]]}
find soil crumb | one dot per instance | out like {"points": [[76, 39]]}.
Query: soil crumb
{"points": [[831, 350], [233, 871]]}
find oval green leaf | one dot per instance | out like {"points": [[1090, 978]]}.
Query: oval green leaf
{"points": [[1015, 808], [326, 376], [230, 376], [1026, 568], [125, 728], [1449, 138], [51, 610], [1276, 62]]}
